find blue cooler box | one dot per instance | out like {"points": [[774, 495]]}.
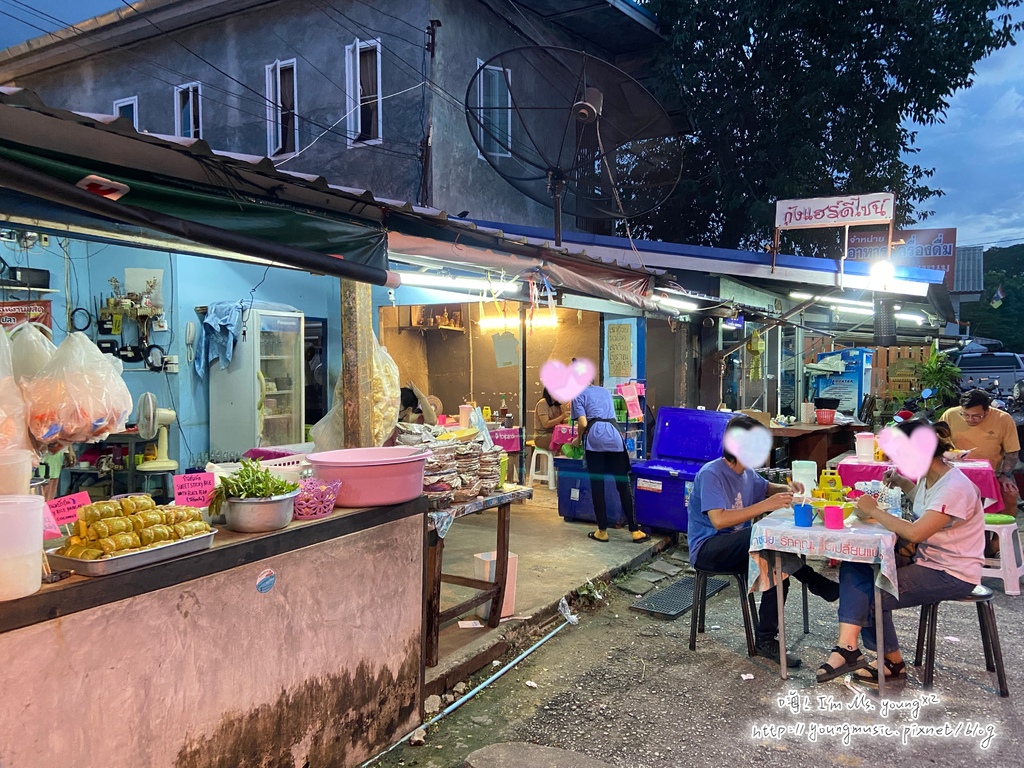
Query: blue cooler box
{"points": [[575, 500], [685, 439]]}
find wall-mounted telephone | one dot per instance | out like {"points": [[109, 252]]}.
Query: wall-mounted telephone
{"points": [[190, 340]]}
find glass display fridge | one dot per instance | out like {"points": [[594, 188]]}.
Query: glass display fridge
{"points": [[259, 399]]}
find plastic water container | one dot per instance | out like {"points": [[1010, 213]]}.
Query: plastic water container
{"points": [[806, 472], [21, 546], [464, 413], [865, 446], [15, 471]]}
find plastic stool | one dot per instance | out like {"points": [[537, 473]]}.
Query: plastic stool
{"points": [[1008, 565], [549, 475], [926, 629], [167, 482], [700, 599]]}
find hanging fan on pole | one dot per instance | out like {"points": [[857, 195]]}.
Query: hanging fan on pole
{"points": [[152, 422], [573, 132]]}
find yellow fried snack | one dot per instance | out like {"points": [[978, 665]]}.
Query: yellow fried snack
{"points": [[145, 519], [119, 542], [191, 528], [132, 504], [176, 515], [155, 534], [103, 529], [80, 552]]}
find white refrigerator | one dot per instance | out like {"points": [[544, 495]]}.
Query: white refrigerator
{"points": [[259, 399]]}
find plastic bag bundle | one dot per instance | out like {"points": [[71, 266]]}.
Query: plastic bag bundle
{"points": [[387, 394], [30, 351], [77, 397], [13, 421]]}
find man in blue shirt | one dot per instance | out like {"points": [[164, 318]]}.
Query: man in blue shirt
{"points": [[726, 497], [605, 454]]}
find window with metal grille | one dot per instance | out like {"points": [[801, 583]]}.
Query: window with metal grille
{"points": [[495, 111], [188, 111], [282, 98], [364, 117]]}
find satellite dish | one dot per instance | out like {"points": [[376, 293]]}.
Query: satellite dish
{"points": [[152, 422], [573, 132]]}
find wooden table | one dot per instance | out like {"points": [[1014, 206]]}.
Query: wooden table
{"points": [[817, 442], [494, 592]]}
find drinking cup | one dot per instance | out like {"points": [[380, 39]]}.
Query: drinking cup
{"points": [[803, 515], [833, 517]]}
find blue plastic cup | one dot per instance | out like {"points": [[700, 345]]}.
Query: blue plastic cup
{"points": [[803, 515]]}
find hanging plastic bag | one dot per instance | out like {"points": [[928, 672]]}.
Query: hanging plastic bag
{"points": [[30, 351], [13, 422], [329, 433], [78, 397]]}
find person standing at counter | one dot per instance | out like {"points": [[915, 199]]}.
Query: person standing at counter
{"points": [[415, 408], [604, 455], [548, 414]]}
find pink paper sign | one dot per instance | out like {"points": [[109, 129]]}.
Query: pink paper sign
{"points": [[194, 490], [65, 509]]}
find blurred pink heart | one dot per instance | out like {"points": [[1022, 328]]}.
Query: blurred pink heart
{"points": [[750, 446], [912, 455], [566, 382]]}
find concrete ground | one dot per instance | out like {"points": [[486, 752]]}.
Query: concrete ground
{"points": [[623, 687], [554, 558]]}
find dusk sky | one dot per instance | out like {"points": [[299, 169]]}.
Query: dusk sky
{"points": [[977, 153]]}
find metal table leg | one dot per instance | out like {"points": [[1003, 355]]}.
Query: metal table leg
{"points": [[879, 636], [777, 578]]}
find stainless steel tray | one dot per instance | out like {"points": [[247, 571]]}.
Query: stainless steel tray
{"points": [[118, 563]]}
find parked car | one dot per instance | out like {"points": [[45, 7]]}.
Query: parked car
{"points": [[981, 369]]}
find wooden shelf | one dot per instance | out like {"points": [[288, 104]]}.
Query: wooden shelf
{"points": [[457, 329], [26, 289]]}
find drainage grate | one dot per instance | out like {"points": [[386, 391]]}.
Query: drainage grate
{"points": [[675, 599]]}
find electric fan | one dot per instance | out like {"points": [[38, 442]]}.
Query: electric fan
{"points": [[152, 422]]}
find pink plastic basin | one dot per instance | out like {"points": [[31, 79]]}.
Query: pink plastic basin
{"points": [[372, 477]]}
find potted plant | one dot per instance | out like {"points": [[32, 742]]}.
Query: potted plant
{"points": [[254, 500], [938, 374]]}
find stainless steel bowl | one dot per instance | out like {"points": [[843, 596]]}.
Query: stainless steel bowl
{"points": [[260, 515]]}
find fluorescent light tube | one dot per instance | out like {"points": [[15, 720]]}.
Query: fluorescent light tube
{"points": [[448, 282], [677, 303]]}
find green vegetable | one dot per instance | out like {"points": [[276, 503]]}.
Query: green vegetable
{"points": [[249, 481]]}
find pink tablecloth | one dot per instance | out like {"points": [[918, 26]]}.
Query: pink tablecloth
{"points": [[562, 435], [507, 439], [981, 474]]}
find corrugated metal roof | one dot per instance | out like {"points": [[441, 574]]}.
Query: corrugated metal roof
{"points": [[969, 269]]}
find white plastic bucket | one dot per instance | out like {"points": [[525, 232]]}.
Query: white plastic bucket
{"points": [[865, 446], [21, 546], [15, 471]]}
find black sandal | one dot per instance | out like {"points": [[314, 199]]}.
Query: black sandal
{"points": [[894, 670], [854, 660]]}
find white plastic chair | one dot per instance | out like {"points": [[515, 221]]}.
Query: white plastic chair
{"points": [[549, 475]]}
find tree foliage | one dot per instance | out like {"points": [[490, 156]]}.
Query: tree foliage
{"points": [[1003, 267], [810, 98]]}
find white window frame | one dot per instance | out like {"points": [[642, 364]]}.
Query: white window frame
{"points": [[134, 101], [273, 72], [353, 103], [507, 73], [178, 89]]}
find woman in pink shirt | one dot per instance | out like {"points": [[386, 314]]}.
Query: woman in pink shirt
{"points": [[948, 527]]}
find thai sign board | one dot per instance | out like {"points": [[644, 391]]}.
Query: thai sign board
{"points": [[36, 311], [847, 210], [924, 248]]}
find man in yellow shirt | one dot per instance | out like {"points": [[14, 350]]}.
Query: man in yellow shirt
{"points": [[991, 435]]}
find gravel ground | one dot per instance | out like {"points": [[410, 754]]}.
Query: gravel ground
{"points": [[623, 687]]}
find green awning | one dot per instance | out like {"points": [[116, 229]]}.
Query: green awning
{"points": [[224, 207]]}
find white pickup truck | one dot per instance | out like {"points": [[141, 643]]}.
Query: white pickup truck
{"points": [[979, 369]]}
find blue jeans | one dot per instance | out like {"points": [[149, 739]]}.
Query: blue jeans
{"points": [[918, 585]]}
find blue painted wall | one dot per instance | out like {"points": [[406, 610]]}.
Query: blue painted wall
{"points": [[189, 281]]}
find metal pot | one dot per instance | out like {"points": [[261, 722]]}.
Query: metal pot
{"points": [[260, 515]]}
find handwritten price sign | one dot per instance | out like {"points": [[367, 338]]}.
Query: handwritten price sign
{"points": [[65, 509], [50, 528], [194, 490]]}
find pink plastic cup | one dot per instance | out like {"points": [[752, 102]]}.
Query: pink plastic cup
{"points": [[834, 517]]}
